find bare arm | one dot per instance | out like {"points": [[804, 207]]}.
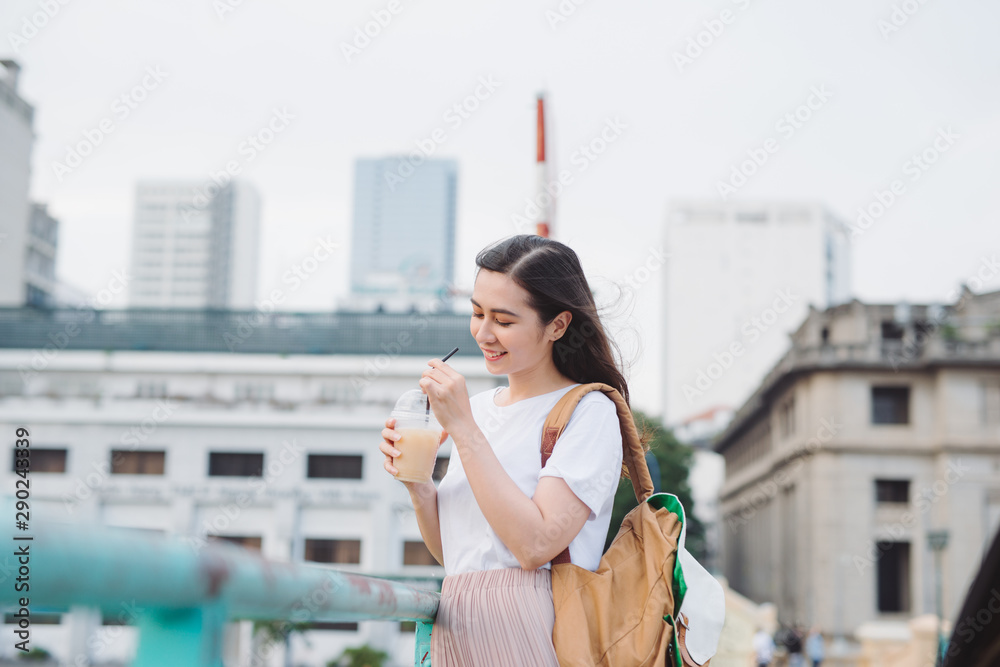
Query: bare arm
{"points": [[535, 529], [423, 496]]}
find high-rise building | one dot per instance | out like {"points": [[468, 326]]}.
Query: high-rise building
{"points": [[40, 257], [16, 139], [194, 245], [739, 278], [403, 242]]}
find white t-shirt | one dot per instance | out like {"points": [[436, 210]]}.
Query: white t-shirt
{"points": [[588, 456]]}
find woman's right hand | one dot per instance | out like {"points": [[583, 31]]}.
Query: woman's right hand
{"points": [[388, 446]]}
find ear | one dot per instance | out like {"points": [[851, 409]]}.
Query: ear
{"points": [[557, 327]]}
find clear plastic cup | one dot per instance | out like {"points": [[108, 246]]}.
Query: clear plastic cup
{"points": [[420, 435]]}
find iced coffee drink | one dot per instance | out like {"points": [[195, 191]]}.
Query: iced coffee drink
{"points": [[420, 435]]}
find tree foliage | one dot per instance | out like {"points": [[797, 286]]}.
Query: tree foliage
{"points": [[362, 656], [675, 460]]}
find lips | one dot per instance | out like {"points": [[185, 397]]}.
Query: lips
{"points": [[493, 356]]}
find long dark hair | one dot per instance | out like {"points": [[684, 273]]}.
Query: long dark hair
{"points": [[552, 275]]}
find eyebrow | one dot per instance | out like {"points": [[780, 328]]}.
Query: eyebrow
{"points": [[496, 310]]}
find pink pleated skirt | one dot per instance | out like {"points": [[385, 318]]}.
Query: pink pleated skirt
{"points": [[495, 618]]}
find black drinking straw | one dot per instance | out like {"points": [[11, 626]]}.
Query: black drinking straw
{"points": [[427, 417]]}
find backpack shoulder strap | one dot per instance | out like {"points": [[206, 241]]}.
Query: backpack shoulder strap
{"points": [[633, 457]]}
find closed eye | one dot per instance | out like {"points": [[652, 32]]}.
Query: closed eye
{"points": [[503, 324]]}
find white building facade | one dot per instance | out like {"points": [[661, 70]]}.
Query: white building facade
{"points": [[740, 277], [195, 245], [277, 452], [16, 139]]}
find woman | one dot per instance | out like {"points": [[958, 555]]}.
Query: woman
{"points": [[498, 518]]}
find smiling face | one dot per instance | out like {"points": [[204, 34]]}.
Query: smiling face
{"points": [[507, 330]]}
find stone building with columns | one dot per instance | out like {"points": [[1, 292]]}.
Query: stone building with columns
{"points": [[875, 434]]}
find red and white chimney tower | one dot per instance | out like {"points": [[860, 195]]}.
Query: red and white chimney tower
{"points": [[544, 199]]}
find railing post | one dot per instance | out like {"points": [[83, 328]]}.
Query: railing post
{"points": [[190, 637], [423, 657]]}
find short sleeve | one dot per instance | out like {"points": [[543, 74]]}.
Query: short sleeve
{"points": [[588, 454]]}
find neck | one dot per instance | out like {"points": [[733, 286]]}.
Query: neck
{"points": [[535, 381]]}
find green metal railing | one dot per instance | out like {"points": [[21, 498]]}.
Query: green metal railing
{"points": [[184, 594]]}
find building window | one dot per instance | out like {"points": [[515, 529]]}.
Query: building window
{"points": [[415, 552], [252, 391], [36, 619], [333, 551], [824, 335], [990, 412], [893, 577], [440, 468], [334, 466], [233, 464], [890, 405], [137, 463], [43, 460], [891, 330], [892, 490], [151, 390], [786, 418], [246, 541]]}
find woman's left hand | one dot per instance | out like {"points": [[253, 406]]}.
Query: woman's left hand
{"points": [[448, 396]]}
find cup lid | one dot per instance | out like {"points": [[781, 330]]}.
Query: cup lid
{"points": [[413, 403]]}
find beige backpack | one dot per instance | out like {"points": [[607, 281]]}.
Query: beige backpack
{"points": [[629, 612]]}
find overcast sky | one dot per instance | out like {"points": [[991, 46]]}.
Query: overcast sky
{"points": [[893, 75]]}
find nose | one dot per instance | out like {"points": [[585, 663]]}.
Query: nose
{"points": [[485, 334]]}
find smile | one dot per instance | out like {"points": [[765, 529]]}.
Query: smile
{"points": [[493, 357]]}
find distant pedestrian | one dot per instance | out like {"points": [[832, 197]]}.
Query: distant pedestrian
{"points": [[793, 642], [763, 648], [815, 648]]}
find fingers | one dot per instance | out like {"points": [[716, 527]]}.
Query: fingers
{"points": [[437, 364], [387, 447], [389, 450]]}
